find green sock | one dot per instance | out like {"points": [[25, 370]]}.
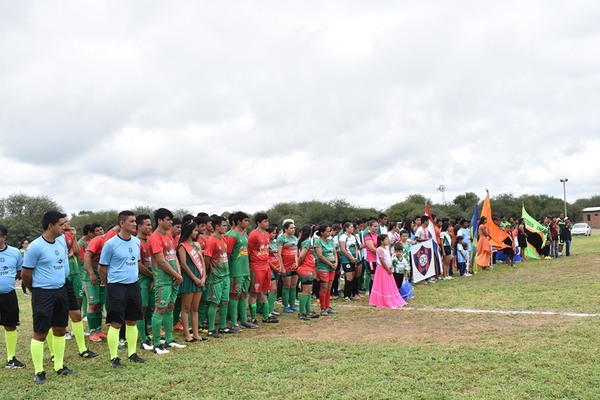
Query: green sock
{"points": [[141, 327], [37, 355], [259, 305], [302, 304], [93, 321], [233, 311], [50, 341], [112, 338], [79, 337], [168, 326], [266, 309], [242, 306], [223, 316], [292, 297], [367, 281], [271, 299], [252, 311], [176, 311], [307, 304], [84, 305], [131, 334], [212, 316], [10, 337], [157, 320], [59, 351], [202, 312], [285, 297]]}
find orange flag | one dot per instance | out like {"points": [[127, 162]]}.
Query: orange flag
{"points": [[497, 234]]}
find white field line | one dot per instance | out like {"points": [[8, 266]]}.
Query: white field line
{"points": [[504, 312]]}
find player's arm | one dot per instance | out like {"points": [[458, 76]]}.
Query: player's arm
{"points": [[321, 257], [26, 277], [345, 252], [162, 263], [144, 271], [105, 258], [369, 244], [280, 258], [87, 263]]}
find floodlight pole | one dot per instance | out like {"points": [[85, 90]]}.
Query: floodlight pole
{"points": [[564, 182]]}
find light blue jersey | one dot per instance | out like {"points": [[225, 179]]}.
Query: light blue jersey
{"points": [[10, 263], [121, 259], [48, 262]]}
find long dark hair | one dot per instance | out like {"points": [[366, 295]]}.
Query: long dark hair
{"points": [[186, 231], [306, 233]]}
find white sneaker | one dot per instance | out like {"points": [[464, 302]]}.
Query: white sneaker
{"points": [[175, 345], [68, 336], [84, 319], [161, 350], [467, 274], [147, 346]]}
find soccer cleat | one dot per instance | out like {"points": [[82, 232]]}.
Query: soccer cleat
{"points": [[68, 336], [14, 363], [116, 363], [313, 315], [137, 359], [304, 317], [161, 349], [102, 335], [324, 313], [65, 371], [288, 310], [275, 313], [175, 345], [88, 354], [40, 378], [250, 325], [147, 345], [331, 311], [295, 308], [178, 327], [122, 344], [235, 329], [225, 330], [213, 334], [270, 320], [94, 337]]}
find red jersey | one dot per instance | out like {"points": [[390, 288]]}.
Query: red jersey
{"points": [[201, 240], [145, 254], [258, 250], [159, 242]]}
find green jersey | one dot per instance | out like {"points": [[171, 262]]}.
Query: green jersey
{"points": [[328, 250], [237, 247]]}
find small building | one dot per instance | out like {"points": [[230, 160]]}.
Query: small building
{"points": [[591, 215]]}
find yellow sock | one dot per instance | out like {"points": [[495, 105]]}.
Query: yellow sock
{"points": [[10, 337], [59, 351], [50, 341], [37, 355], [131, 334], [112, 337], [79, 337]]}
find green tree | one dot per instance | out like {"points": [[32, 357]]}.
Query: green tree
{"points": [[22, 215], [466, 202]]}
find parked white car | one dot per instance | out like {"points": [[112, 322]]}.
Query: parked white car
{"points": [[581, 228]]}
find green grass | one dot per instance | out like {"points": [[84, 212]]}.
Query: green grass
{"points": [[378, 354]]}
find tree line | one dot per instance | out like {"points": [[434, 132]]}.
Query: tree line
{"points": [[22, 214]]}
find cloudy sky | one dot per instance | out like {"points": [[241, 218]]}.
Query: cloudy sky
{"points": [[216, 106]]}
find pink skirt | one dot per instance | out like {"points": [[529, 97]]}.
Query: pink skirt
{"points": [[385, 292]]}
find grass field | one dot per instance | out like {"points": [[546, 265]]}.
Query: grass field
{"points": [[420, 352]]}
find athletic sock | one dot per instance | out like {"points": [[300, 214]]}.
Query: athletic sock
{"points": [[292, 297], [141, 327], [212, 316], [368, 282], [79, 337], [253, 311], [50, 341], [348, 286], [157, 320], [302, 302], [59, 351], [259, 305], [356, 286], [37, 355], [176, 311], [202, 308], [168, 326], [285, 297], [267, 310], [322, 300], [223, 316], [307, 304], [233, 311], [10, 337], [112, 338], [92, 325], [84, 307], [271, 297], [131, 334], [242, 307]]}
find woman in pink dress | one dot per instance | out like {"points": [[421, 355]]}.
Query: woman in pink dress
{"points": [[385, 292]]}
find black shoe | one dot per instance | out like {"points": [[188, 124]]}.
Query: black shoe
{"points": [[88, 354], [192, 340], [40, 378], [116, 363], [304, 317], [213, 334], [250, 325], [225, 330], [235, 329], [137, 359], [270, 320], [65, 371], [313, 315], [14, 363]]}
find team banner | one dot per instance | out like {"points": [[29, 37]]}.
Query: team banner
{"points": [[536, 234], [423, 260], [496, 233]]}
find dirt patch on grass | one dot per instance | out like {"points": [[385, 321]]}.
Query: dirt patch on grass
{"points": [[363, 324]]}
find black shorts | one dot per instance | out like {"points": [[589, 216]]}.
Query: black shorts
{"points": [[447, 250], [73, 306], [123, 302], [50, 309], [9, 309], [349, 267], [372, 266]]}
